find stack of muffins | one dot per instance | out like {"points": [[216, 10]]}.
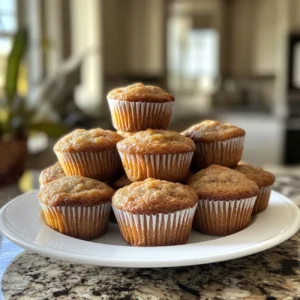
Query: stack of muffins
{"points": [[157, 201]]}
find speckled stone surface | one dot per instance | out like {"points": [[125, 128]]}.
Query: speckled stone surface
{"points": [[272, 274]]}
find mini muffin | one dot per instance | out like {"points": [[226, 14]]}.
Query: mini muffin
{"points": [[226, 200], [263, 179], [155, 212], [138, 107], [158, 154], [121, 182], [216, 143], [51, 173], [77, 206], [90, 153]]}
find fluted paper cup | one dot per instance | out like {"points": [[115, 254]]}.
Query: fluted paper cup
{"points": [[262, 200], [221, 217], [102, 165], [172, 167], [136, 116], [157, 229], [82, 222], [224, 153]]}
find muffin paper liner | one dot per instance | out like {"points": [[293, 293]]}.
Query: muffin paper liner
{"points": [[156, 229], [221, 217], [262, 199], [82, 222], [225, 153], [102, 165], [172, 167], [136, 116]]}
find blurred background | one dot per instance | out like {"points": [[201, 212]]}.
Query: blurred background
{"points": [[233, 60]]}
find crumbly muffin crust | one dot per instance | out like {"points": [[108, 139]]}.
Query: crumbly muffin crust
{"points": [[74, 191], [138, 92], [96, 139], [156, 141], [209, 131], [258, 175], [153, 196], [51, 173], [221, 183], [121, 182]]}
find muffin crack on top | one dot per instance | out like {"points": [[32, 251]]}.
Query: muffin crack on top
{"points": [[156, 141], [210, 130], [139, 92], [88, 140], [221, 183]]}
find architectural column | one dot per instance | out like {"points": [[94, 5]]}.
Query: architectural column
{"points": [[86, 24], [283, 27], [33, 21], [57, 33]]}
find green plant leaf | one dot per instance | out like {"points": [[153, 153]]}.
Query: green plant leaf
{"points": [[52, 129], [13, 64]]}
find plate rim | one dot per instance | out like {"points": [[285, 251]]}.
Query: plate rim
{"points": [[141, 263]]}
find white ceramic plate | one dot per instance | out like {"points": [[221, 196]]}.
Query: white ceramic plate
{"points": [[21, 221]]}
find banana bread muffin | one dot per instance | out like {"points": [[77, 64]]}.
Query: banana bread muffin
{"points": [[77, 206], [90, 153], [226, 200], [51, 173], [263, 179], [138, 107], [158, 154], [148, 212], [216, 143]]}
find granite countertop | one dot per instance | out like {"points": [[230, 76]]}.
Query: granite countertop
{"points": [[272, 274]]}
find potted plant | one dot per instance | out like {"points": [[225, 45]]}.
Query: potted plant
{"points": [[17, 120]]}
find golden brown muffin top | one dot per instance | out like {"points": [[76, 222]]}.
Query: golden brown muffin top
{"points": [[51, 173], [125, 134], [138, 92], [121, 182], [153, 196], [156, 141], [96, 139], [209, 131], [221, 183], [258, 175], [75, 191]]}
